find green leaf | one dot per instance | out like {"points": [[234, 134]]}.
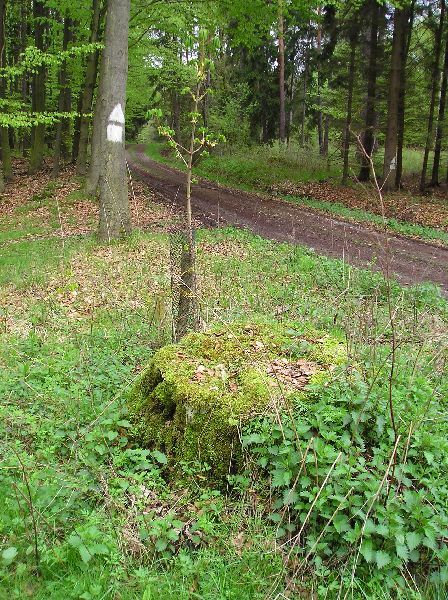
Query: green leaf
{"points": [[9, 554], [382, 559], [367, 550], [84, 553], [161, 545], [290, 496], [160, 457], [413, 540], [402, 552]]}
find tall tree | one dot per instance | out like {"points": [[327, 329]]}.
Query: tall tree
{"points": [[440, 120], [281, 70], [38, 90], [353, 39], [368, 138], [5, 166], [396, 66], [406, 42], [434, 92], [88, 90], [109, 153], [64, 102]]}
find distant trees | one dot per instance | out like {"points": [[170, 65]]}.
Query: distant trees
{"points": [[321, 73]]}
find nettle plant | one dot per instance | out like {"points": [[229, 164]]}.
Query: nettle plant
{"points": [[351, 498], [200, 141]]}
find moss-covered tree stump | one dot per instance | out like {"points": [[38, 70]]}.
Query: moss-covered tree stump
{"points": [[193, 397]]}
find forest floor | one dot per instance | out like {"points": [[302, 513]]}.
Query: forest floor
{"points": [[410, 260], [82, 510]]}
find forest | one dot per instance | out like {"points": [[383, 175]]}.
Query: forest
{"points": [[223, 299]]}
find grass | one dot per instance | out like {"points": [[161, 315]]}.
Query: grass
{"points": [[257, 169], [79, 321]]}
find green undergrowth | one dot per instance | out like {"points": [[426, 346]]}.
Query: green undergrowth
{"points": [[257, 170], [88, 513]]}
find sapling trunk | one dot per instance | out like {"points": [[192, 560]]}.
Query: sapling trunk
{"points": [[187, 308]]}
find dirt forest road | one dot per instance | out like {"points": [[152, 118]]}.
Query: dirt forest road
{"points": [[411, 261]]}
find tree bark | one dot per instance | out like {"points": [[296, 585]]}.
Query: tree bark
{"points": [[38, 92], [396, 66], [64, 99], [5, 166], [434, 92], [24, 13], [406, 41], [368, 139], [440, 120], [320, 131], [305, 77], [348, 119], [281, 70], [88, 89], [115, 219]]}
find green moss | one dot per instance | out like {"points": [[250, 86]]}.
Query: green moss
{"points": [[193, 396]]}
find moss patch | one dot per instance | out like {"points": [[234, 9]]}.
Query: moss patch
{"points": [[193, 396]]}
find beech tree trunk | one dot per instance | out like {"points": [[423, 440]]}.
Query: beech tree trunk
{"points": [[5, 166], [320, 129], [406, 41], [440, 120], [281, 69], [38, 91], [305, 77], [434, 92], [368, 139], [64, 99], [396, 66], [115, 219], [88, 89], [348, 119]]}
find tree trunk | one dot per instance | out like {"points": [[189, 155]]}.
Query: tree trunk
{"points": [[38, 92], [88, 89], [434, 92], [24, 15], [406, 41], [115, 218], [64, 99], [305, 76], [396, 66], [368, 139], [348, 119], [5, 167], [281, 70], [440, 120], [326, 141]]}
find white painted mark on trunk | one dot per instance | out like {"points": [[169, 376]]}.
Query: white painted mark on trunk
{"points": [[115, 133], [115, 125]]}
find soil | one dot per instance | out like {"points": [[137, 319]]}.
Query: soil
{"points": [[411, 261]]}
